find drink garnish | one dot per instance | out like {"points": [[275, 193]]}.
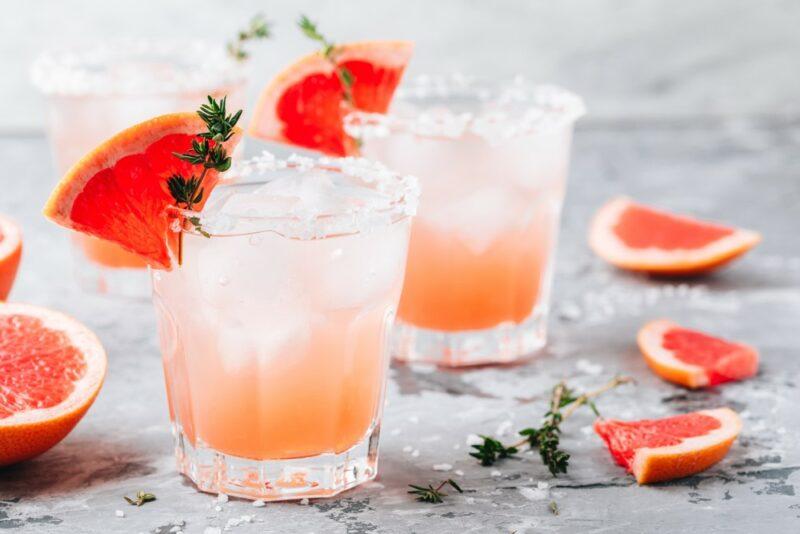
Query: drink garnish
{"points": [[329, 51], [259, 28], [546, 437], [433, 495], [141, 498], [208, 152]]}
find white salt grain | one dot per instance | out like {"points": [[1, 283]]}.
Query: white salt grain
{"points": [[304, 501], [222, 497], [408, 448], [259, 504], [458, 472], [473, 439], [119, 513], [503, 428], [415, 453], [585, 366], [496, 473], [442, 467]]}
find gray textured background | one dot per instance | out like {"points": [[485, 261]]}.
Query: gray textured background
{"points": [[693, 105]]}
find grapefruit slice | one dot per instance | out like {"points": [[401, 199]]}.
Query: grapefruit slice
{"points": [[694, 359], [655, 450], [10, 254], [118, 192], [305, 104], [51, 369], [641, 238]]}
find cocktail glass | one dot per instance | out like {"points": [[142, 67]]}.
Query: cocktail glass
{"points": [[274, 330], [93, 93], [492, 162]]}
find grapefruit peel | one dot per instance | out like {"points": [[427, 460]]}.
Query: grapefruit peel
{"points": [[31, 432], [739, 362], [689, 456], [607, 244], [10, 254]]}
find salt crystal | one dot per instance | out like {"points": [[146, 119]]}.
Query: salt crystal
{"points": [[304, 501], [259, 504], [119, 513], [585, 366], [496, 473], [534, 494], [408, 448], [442, 467], [415, 453], [218, 508], [212, 530], [474, 439], [176, 529], [458, 472], [504, 427], [542, 485], [470, 500]]}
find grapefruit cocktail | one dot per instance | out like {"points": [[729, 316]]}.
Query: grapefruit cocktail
{"points": [[93, 93], [492, 162], [274, 327]]}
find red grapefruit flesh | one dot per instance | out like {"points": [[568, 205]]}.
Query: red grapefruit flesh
{"points": [[694, 359], [10, 254], [118, 192], [637, 237], [51, 369], [655, 450], [305, 104]]}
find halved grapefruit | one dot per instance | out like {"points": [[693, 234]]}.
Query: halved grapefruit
{"points": [[641, 238], [305, 104], [694, 359], [10, 254], [118, 192], [51, 369], [655, 450]]}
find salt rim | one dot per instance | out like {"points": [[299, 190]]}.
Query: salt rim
{"points": [[191, 66], [401, 191], [498, 110]]}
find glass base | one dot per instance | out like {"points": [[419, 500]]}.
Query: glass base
{"points": [[311, 477], [502, 344], [116, 282]]}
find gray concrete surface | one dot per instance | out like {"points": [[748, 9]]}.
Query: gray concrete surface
{"points": [[739, 171]]}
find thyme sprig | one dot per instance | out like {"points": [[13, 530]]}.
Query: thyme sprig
{"points": [[330, 52], [259, 28], [208, 151], [546, 437], [140, 498], [433, 495]]}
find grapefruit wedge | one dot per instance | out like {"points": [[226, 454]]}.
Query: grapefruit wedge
{"points": [[694, 359], [637, 237], [305, 104], [118, 192], [51, 369], [10, 254], [655, 450]]}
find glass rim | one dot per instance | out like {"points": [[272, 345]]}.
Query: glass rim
{"points": [[498, 107], [402, 198], [83, 70]]}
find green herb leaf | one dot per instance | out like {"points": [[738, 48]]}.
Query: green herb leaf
{"points": [[491, 450], [259, 28], [433, 495]]}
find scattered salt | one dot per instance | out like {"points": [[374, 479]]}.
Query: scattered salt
{"points": [[119, 513], [408, 448], [442, 467], [585, 366], [415, 453], [496, 473], [176, 529], [212, 530], [222, 498], [304, 501], [458, 472], [218, 508], [473, 439], [534, 494], [504, 427], [259, 504]]}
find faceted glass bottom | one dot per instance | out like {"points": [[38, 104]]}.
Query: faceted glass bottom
{"points": [[502, 344], [313, 477]]}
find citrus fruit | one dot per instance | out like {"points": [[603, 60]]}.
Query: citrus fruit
{"points": [[118, 192], [10, 253], [51, 368], [641, 238], [655, 450], [305, 104], [694, 359]]}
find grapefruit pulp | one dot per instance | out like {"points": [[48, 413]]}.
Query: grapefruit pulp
{"points": [[10, 254], [118, 192], [694, 359], [51, 369], [305, 104], [655, 450], [638, 237]]}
